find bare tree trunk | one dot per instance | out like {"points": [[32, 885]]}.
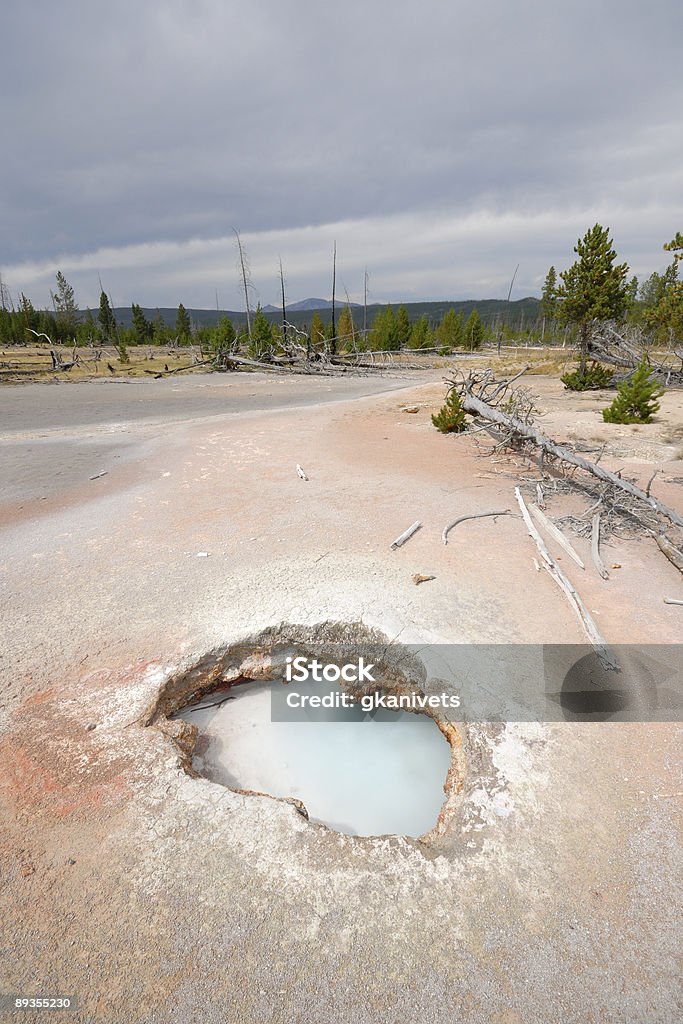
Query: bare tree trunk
{"points": [[333, 342], [507, 308], [365, 309], [244, 281], [284, 306]]}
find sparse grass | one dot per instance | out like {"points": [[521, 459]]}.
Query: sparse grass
{"points": [[22, 365]]}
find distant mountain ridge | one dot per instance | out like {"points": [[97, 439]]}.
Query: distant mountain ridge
{"points": [[308, 305], [491, 311]]}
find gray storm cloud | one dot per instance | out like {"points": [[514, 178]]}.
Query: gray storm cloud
{"points": [[439, 144]]}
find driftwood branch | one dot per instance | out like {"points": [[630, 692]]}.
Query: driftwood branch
{"points": [[672, 553], [584, 616], [595, 548], [179, 369], [476, 515], [406, 535], [556, 534]]}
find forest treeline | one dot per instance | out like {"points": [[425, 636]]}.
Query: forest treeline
{"points": [[655, 305]]}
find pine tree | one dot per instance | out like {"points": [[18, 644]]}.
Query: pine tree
{"points": [[106, 320], [403, 327], [160, 331], [449, 333], [223, 335], [662, 295], [384, 332], [549, 295], [317, 330], [141, 325], [65, 305], [474, 332], [594, 287], [28, 317], [421, 335], [451, 417], [87, 331], [636, 400], [345, 329], [183, 325], [262, 340]]}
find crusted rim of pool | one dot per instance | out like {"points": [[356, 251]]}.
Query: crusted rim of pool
{"points": [[260, 658]]}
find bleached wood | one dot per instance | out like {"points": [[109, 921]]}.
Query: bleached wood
{"points": [[474, 515], [567, 587], [477, 407], [672, 553], [556, 534], [595, 547], [406, 535]]}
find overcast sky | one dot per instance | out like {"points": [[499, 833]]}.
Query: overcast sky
{"points": [[440, 143]]}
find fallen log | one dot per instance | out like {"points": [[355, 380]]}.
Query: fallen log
{"points": [[476, 515], [672, 553], [475, 406], [672, 600], [584, 616], [595, 548], [179, 369]]}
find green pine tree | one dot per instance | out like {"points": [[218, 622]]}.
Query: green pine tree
{"points": [[474, 332], [223, 335], [450, 331], [662, 297], [451, 417], [594, 287], [106, 320], [262, 340], [317, 331], [549, 295], [636, 400], [346, 332], [403, 326], [65, 305], [142, 328], [421, 335], [183, 326], [384, 333], [161, 334]]}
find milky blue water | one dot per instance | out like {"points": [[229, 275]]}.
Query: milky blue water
{"points": [[373, 776]]}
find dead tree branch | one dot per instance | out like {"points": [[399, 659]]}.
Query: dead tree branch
{"points": [[476, 515], [584, 616], [516, 432]]}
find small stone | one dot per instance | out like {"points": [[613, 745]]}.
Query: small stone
{"points": [[616, 565], [90, 726], [71, 861]]}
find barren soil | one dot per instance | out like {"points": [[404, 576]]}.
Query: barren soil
{"points": [[157, 897]]}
